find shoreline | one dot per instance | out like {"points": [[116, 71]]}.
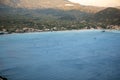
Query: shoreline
{"points": [[102, 30]]}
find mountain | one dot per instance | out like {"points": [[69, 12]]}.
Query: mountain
{"points": [[15, 15], [45, 4], [108, 15]]}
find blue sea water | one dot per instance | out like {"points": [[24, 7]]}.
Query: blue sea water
{"points": [[62, 55]]}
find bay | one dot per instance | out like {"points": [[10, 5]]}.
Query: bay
{"points": [[62, 55]]}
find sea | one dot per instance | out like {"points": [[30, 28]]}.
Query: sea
{"points": [[61, 55]]}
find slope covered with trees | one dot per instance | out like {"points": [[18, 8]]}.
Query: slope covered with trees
{"points": [[108, 16]]}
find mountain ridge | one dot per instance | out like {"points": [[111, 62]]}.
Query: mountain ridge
{"points": [[55, 4]]}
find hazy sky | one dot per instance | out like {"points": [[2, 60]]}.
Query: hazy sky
{"points": [[103, 3]]}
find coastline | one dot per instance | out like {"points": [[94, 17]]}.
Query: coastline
{"points": [[102, 30]]}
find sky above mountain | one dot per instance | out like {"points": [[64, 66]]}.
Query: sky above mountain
{"points": [[100, 3]]}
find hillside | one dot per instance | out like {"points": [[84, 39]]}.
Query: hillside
{"points": [[108, 16], [40, 18]]}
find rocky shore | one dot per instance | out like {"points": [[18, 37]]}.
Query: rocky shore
{"points": [[3, 78]]}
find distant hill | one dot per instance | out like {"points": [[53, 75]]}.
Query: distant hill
{"points": [[109, 16]]}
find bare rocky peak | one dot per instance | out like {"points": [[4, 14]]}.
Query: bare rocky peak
{"points": [[55, 4], [37, 3]]}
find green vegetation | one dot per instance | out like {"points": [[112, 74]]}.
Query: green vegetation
{"points": [[109, 16]]}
